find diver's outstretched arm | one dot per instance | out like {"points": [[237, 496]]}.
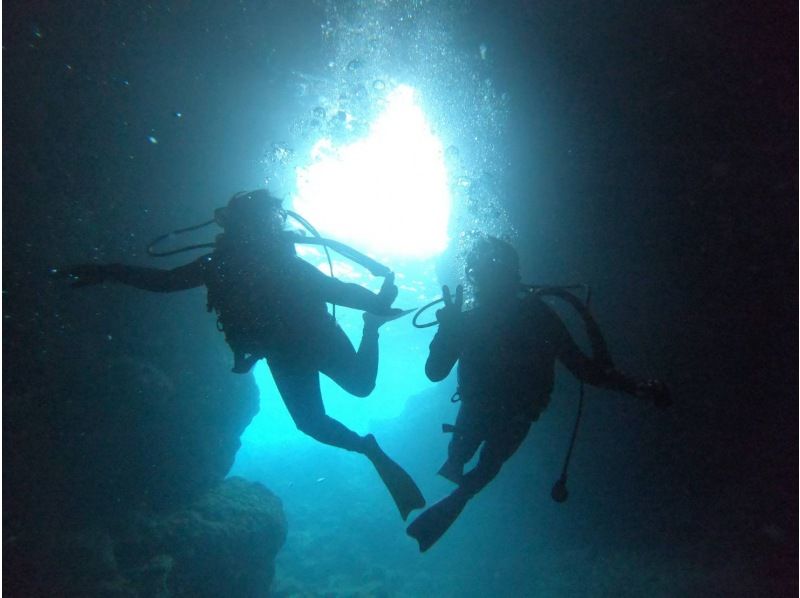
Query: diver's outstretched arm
{"points": [[150, 279], [589, 371], [352, 295]]}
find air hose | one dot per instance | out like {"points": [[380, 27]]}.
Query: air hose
{"points": [[600, 355], [421, 310], [151, 251], [375, 268]]}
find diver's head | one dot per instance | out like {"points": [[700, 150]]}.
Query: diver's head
{"points": [[252, 215], [492, 268]]}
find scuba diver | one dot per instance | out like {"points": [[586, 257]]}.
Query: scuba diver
{"points": [[506, 347], [271, 304]]}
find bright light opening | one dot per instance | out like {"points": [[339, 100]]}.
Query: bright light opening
{"points": [[386, 194]]}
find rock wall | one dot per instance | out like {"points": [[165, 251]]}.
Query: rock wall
{"points": [[119, 405], [222, 544]]}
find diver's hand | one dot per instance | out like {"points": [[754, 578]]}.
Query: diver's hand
{"points": [[388, 294], [654, 391], [84, 275], [450, 315]]}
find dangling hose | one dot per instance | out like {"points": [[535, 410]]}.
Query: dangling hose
{"points": [[374, 267], [600, 355], [421, 310], [169, 235], [559, 492], [314, 232]]}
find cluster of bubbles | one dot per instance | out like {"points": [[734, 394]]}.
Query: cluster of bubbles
{"points": [[375, 45]]}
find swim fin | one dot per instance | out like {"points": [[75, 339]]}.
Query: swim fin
{"points": [[433, 523], [407, 496], [379, 320]]}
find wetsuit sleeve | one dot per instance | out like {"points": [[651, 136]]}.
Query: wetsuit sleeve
{"points": [[445, 349], [584, 368], [332, 290], [155, 279]]}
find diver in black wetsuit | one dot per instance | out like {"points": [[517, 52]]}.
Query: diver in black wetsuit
{"points": [[270, 303], [506, 347]]}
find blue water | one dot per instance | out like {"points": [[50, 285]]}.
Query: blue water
{"points": [[643, 149]]}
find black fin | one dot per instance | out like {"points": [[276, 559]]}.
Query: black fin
{"points": [[433, 523], [405, 492]]}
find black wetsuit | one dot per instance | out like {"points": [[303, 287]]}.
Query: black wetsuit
{"points": [[273, 304], [506, 371]]}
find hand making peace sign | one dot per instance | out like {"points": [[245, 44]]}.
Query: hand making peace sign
{"points": [[450, 314]]}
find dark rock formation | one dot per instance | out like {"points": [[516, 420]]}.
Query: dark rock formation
{"points": [[116, 401], [222, 544], [121, 410], [114, 407]]}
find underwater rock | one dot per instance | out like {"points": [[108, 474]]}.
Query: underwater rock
{"points": [[131, 410], [151, 421], [114, 402], [223, 544]]}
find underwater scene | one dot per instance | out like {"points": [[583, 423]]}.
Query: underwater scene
{"points": [[400, 298]]}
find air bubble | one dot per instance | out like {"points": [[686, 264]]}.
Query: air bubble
{"points": [[280, 153]]}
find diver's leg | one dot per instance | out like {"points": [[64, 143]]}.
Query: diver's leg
{"points": [[405, 493], [497, 449], [465, 441], [433, 523], [298, 385], [355, 371]]}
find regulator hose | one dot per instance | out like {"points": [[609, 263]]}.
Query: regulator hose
{"points": [[151, 251], [600, 356], [421, 310], [374, 267]]}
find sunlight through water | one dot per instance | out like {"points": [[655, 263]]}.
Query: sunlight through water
{"points": [[386, 193]]}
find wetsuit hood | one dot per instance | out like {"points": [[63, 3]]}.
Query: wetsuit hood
{"points": [[492, 268], [250, 212]]}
